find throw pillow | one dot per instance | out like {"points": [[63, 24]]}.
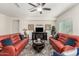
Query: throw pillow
{"points": [[6, 42], [70, 42], [21, 36]]}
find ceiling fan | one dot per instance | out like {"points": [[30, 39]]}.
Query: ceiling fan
{"points": [[16, 4], [39, 7]]}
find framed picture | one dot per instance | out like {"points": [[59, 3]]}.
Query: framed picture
{"points": [[31, 27], [47, 26]]}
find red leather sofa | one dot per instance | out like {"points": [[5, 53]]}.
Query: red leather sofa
{"points": [[58, 45], [16, 48]]}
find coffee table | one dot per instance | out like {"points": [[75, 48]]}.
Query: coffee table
{"points": [[38, 46]]}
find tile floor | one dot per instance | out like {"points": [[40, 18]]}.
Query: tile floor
{"points": [[29, 51]]}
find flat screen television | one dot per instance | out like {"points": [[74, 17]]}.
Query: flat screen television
{"points": [[39, 29]]}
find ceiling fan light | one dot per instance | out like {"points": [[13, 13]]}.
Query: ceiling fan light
{"points": [[39, 9]]}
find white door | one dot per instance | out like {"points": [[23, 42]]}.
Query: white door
{"points": [[15, 27]]}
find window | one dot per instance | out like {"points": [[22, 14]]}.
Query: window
{"points": [[66, 26]]}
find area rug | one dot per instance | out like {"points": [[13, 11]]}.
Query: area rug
{"points": [[29, 51]]}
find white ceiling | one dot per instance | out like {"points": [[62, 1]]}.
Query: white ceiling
{"points": [[12, 10]]}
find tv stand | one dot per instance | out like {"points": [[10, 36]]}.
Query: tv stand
{"points": [[41, 35]]}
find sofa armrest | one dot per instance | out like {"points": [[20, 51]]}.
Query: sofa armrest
{"points": [[76, 38], [8, 51], [57, 45], [77, 44]]}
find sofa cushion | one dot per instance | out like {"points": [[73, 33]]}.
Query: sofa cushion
{"points": [[62, 39], [1, 48], [70, 42], [15, 38], [1, 44], [20, 44], [7, 42], [67, 48]]}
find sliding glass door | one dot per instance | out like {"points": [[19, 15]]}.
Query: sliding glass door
{"points": [[66, 26]]}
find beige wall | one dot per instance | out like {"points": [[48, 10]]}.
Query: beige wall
{"points": [[72, 14], [24, 23], [6, 24]]}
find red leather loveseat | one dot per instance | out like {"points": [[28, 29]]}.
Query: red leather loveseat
{"points": [[58, 45], [16, 48]]}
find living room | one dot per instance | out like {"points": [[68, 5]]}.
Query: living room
{"points": [[31, 17]]}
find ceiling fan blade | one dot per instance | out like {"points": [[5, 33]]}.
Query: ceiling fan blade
{"points": [[38, 4], [32, 4], [43, 4], [17, 5], [46, 8], [33, 10], [40, 12]]}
